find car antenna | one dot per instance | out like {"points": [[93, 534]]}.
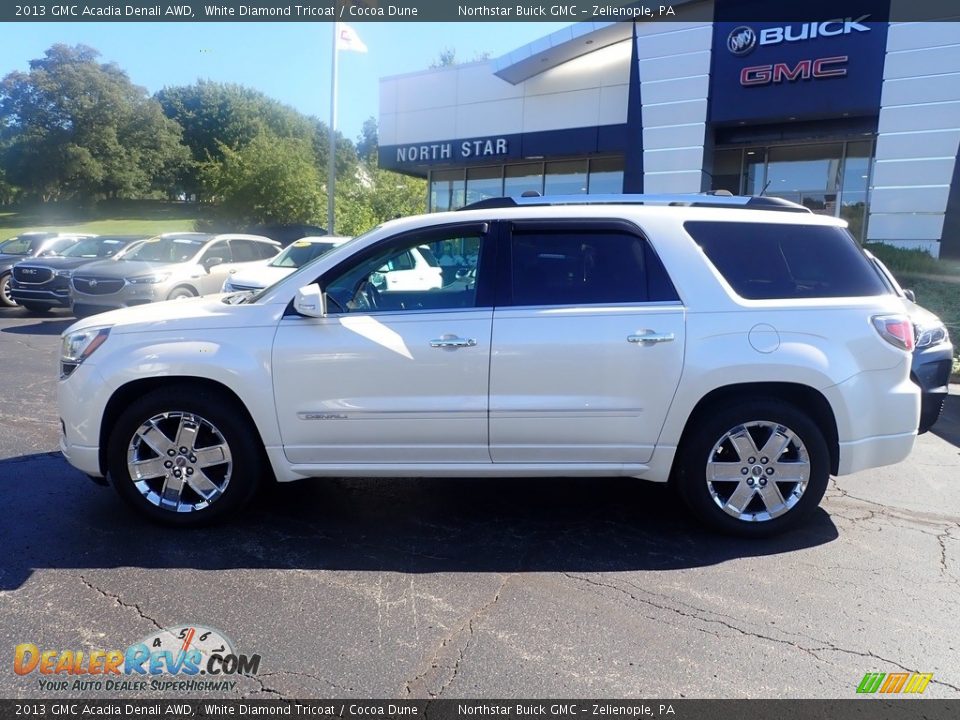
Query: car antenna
{"points": [[765, 188]]}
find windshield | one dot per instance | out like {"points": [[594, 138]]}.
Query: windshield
{"points": [[166, 249], [94, 247], [300, 253], [22, 244]]}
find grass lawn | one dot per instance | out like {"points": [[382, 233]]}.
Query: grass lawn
{"points": [[134, 217]]}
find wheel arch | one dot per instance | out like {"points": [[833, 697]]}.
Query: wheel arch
{"points": [[803, 397], [184, 286], [125, 394]]}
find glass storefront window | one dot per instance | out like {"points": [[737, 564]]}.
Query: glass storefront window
{"points": [[483, 183], [518, 179], [446, 190], [754, 171], [854, 188], [566, 178], [829, 178], [606, 176], [726, 170]]}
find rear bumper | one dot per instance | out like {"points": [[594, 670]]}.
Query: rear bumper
{"points": [[875, 452]]}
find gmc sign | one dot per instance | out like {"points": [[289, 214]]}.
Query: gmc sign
{"points": [[813, 69]]}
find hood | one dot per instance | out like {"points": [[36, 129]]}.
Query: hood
{"points": [[8, 261], [61, 263], [123, 268], [259, 277], [187, 314]]}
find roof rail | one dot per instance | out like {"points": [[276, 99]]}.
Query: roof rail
{"points": [[711, 200]]}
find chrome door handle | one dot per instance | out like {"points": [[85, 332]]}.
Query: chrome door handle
{"points": [[452, 342], [650, 338]]}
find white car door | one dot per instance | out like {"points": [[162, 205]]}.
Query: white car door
{"points": [[587, 348], [387, 376]]}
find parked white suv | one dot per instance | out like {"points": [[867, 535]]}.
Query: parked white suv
{"points": [[741, 348]]}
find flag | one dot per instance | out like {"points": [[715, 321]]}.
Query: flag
{"points": [[347, 39]]}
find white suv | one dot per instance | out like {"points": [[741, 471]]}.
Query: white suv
{"points": [[740, 348]]}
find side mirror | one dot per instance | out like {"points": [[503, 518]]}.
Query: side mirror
{"points": [[310, 302], [212, 262], [911, 295]]}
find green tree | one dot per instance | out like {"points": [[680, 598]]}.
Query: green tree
{"points": [[217, 116], [74, 127], [271, 179], [368, 142], [375, 195]]}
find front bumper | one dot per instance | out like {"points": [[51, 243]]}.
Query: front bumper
{"points": [[930, 370], [130, 295], [54, 297]]}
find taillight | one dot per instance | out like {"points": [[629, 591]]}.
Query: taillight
{"points": [[895, 329]]}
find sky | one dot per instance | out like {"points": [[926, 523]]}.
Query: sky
{"points": [[290, 62]]}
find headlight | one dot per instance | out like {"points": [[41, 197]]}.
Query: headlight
{"points": [[927, 335], [78, 346], [64, 273], [151, 279]]}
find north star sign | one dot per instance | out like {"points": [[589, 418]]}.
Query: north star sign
{"points": [[453, 150]]}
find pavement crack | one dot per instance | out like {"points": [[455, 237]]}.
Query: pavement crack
{"points": [[467, 628], [317, 678], [121, 603]]}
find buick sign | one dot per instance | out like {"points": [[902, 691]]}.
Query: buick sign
{"points": [[741, 40]]}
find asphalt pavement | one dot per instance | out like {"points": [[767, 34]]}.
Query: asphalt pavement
{"points": [[479, 588]]}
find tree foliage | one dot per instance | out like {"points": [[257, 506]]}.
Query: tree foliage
{"points": [[74, 127], [271, 179], [373, 195], [215, 116]]}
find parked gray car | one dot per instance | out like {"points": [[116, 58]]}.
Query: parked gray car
{"points": [[166, 267]]}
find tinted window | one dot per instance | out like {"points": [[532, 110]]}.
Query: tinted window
{"points": [[220, 250], [764, 261], [166, 249], [244, 250], [584, 267]]}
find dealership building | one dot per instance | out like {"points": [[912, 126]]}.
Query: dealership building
{"points": [[855, 116]]}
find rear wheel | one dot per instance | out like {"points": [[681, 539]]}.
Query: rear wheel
{"points": [[754, 468], [184, 456], [6, 298]]}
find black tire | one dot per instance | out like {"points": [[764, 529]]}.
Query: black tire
{"points": [[181, 292], [5, 299], [238, 477], [805, 454], [38, 308]]}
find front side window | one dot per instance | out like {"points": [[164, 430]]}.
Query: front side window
{"points": [[404, 275], [218, 250], [585, 267]]}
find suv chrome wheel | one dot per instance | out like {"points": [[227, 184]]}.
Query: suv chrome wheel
{"points": [[185, 455], [748, 476], [179, 461], [757, 471]]}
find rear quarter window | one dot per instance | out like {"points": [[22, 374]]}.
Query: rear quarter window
{"points": [[765, 261]]}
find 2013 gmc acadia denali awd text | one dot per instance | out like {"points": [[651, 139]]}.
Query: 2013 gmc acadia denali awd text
{"points": [[741, 348]]}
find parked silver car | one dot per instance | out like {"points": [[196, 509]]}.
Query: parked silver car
{"points": [[166, 267]]}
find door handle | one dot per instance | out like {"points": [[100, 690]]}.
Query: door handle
{"points": [[650, 338], [452, 341]]}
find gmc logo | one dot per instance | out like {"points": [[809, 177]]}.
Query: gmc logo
{"points": [[803, 70]]}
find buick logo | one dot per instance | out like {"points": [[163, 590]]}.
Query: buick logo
{"points": [[92, 283], [741, 40]]}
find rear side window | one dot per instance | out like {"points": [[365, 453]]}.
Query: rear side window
{"points": [[585, 267], [764, 261]]}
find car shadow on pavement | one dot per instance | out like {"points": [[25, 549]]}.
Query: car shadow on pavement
{"points": [[948, 426], [44, 327], [56, 518]]}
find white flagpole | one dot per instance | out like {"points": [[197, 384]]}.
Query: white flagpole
{"points": [[331, 161]]}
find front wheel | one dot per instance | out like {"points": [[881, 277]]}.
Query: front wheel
{"points": [[184, 456], [6, 297], [754, 468], [181, 292]]}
